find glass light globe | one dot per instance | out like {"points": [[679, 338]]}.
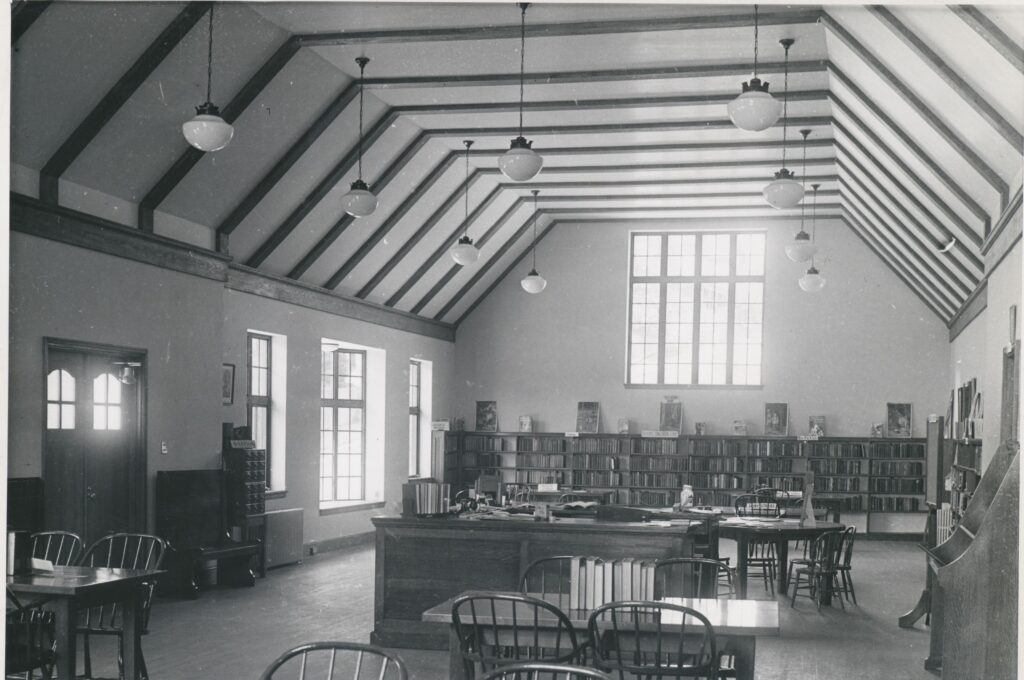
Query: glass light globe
{"points": [[784, 191], [812, 281], [801, 248], [533, 282], [520, 163], [208, 131], [755, 109], [359, 202], [464, 252]]}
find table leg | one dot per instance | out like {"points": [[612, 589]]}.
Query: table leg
{"points": [[782, 548], [131, 633], [66, 622], [743, 647], [456, 669], [741, 566]]}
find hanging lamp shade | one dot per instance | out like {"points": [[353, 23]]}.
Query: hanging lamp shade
{"points": [[801, 248], [533, 282], [359, 201], [208, 131], [784, 191], [464, 252], [521, 163], [755, 109], [812, 281]]}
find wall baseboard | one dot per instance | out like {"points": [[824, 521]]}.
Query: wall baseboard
{"points": [[894, 536], [338, 543]]}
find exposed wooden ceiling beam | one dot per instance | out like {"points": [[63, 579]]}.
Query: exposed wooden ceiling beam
{"points": [[991, 33], [612, 128], [23, 14], [563, 198], [259, 80], [952, 186], [116, 97], [938, 64], [563, 29], [923, 110], [891, 262], [286, 161]]}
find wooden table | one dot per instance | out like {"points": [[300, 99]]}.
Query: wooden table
{"points": [[71, 589], [737, 621], [781, 531]]}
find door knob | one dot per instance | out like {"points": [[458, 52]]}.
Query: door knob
{"points": [[89, 493]]}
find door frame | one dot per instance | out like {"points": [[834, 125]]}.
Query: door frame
{"points": [[138, 455]]}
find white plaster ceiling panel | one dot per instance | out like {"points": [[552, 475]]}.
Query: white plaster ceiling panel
{"points": [[388, 201], [133, 151], [896, 147], [970, 56], [270, 125], [1009, 18], [916, 127], [67, 61], [441, 266], [330, 148], [429, 249], [936, 93]]}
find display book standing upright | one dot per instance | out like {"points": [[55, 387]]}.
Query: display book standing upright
{"points": [[882, 479], [245, 476]]}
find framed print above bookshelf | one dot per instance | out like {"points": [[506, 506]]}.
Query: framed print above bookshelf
{"points": [[898, 420], [588, 416], [486, 416], [776, 419]]}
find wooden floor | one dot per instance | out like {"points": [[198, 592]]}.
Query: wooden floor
{"points": [[235, 633]]}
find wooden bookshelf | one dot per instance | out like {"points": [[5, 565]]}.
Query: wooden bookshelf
{"points": [[871, 476], [966, 473]]}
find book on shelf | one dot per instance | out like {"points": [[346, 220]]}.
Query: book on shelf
{"points": [[669, 434]]}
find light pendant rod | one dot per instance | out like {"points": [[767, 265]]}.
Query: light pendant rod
{"points": [[803, 173], [786, 44], [522, 62], [362, 61], [209, 58], [468, 143], [755, 40], [535, 216]]}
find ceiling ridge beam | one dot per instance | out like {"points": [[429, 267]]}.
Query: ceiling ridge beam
{"points": [[482, 270], [859, 205], [991, 33], [628, 197], [937, 170], [702, 165], [392, 219], [563, 29], [393, 170], [116, 97], [820, 142], [929, 253], [662, 182], [639, 126], [449, 241], [963, 228], [424, 229], [739, 70], [285, 163], [972, 97], [323, 187], [24, 14], [914, 287], [186, 161], [922, 109], [675, 220], [934, 244], [793, 212]]}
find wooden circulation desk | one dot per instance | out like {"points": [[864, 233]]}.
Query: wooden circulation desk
{"points": [[423, 562]]}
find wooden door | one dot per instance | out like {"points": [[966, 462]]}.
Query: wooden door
{"points": [[92, 444]]}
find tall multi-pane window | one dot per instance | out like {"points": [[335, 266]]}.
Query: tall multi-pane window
{"points": [[258, 397], [342, 424], [415, 380], [60, 400], [696, 302]]}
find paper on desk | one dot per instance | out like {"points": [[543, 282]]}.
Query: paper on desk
{"points": [[41, 565]]}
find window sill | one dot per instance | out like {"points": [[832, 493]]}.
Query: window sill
{"points": [[276, 493], [693, 387], [353, 507]]}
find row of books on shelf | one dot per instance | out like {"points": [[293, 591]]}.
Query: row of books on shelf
{"points": [[897, 485], [880, 467], [835, 467], [587, 461], [541, 460], [836, 449], [896, 504], [656, 480], [591, 478], [674, 464], [837, 484], [541, 477], [771, 465], [897, 450]]}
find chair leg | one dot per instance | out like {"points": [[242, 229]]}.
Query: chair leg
{"points": [[796, 586], [88, 655], [853, 593], [835, 591]]}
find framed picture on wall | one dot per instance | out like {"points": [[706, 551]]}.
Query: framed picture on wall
{"points": [[776, 419], [486, 416], [587, 416], [898, 420], [227, 384], [670, 418]]}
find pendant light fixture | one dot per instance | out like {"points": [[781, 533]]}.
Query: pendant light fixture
{"points": [[208, 131], [801, 248], [813, 281], [359, 202], [521, 163], [464, 252], [533, 282], [754, 109], [784, 191]]}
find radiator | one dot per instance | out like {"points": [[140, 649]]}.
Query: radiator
{"points": [[283, 537]]}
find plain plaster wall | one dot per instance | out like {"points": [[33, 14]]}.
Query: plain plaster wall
{"points": [[68, 292], [304, 329], [863, 341]]}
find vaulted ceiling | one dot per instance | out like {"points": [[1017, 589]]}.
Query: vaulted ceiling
{"points": [[916, 116]]}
